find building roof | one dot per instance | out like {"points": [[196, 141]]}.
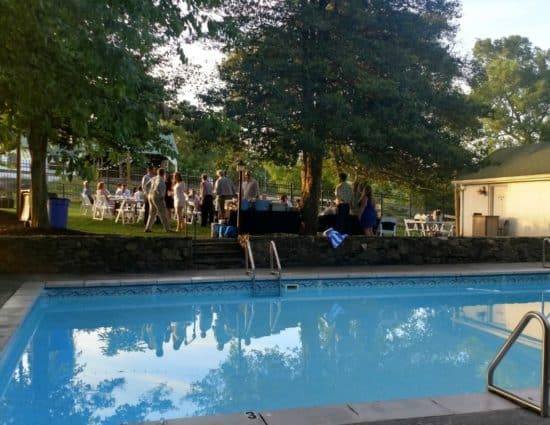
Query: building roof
{"points": [[527, 160]]}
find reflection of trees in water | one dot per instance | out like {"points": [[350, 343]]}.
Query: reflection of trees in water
{"points": [[51, 391], [351, 350], [76, 403], [121, 339], [246, 380]]}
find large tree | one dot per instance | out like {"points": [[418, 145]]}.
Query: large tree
{"points": [[512, 81], [74, 71], [371, 80]]}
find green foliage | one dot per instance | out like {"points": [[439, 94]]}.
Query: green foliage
{"points": [[284, 174], [8, 134], [512, 81], [371, 83], [206, 140], [81, 73]]}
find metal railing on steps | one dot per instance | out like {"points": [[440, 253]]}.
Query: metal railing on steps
{"points": [[541, 408], [274, 260], [274, 265], [249, 264]]}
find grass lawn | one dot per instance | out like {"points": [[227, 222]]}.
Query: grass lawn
{"points": [[85, 223]]}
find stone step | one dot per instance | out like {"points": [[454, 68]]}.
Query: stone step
{"points": [[216, 242], [217, 254], [218, 263]]}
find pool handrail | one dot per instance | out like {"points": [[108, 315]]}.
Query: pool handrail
{"points": [[542, 409], [544, 241], [274, 260], [249, 264]]}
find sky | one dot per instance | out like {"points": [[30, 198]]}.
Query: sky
{"points": [[500, 18]]}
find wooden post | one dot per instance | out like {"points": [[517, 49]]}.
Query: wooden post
{"points": [[18, 177], [458, 214]]}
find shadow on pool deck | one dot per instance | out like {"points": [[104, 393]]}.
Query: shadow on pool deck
{"points": [[473, 409]]}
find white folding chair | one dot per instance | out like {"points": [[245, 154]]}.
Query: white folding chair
{"points": [[140, 209], [447, 228], [387, 226], [86, 205], [412, 227], [128, 211], [192, 215], [102, 208]]}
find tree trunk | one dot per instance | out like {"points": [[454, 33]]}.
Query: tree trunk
{"points": [[38, 144], [311, 190]]}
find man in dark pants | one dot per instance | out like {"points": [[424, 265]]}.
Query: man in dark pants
{"points": [[343, 194], [146, 187], [207, 201]]}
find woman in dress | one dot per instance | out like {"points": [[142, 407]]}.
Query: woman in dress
{"points": [[169, 197], [101, 191], [180, 201], [367, 211]]}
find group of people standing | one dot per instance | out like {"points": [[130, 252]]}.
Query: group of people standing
{"points": [[367, 214], [165, 194]]}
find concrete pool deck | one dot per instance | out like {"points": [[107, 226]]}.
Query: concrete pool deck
{"points": [[485, 408]]}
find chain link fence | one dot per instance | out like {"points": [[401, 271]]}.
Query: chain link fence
{"points": [[388, 205]]}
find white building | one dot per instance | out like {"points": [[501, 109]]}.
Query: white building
{"points": [[514, 185]]}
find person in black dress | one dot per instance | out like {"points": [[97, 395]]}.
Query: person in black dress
{"points": [[169, 197]]}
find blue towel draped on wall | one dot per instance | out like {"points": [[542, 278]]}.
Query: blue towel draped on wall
{"points": [[335, 237]]}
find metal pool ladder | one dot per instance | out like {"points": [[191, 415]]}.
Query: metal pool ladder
{"points": [[249, 264], [544, 242], [542, 409], [274, 260]]}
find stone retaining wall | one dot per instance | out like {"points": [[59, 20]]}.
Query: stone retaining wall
{"points": [[357, 250], [93, 254], [100, 254]]}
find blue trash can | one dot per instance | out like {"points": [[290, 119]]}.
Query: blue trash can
{"points": [[58, 211]]}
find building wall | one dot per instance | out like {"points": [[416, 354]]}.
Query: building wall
{"points": [[526, 206], [472, 202]]}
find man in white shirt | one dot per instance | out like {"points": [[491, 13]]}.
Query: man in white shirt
{"points": [[118, 191], [224, 189], [250, 188], [146, 187], [343, 194], [126, 192], [157, 191]]}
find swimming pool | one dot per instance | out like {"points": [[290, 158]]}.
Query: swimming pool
{"points": [[129, 354]]}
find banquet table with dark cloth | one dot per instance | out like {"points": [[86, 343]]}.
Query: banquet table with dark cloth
{"points": [[329, 220], [263, 222]]}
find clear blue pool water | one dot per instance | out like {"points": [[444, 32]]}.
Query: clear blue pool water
{"points": [[110, 356]]}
